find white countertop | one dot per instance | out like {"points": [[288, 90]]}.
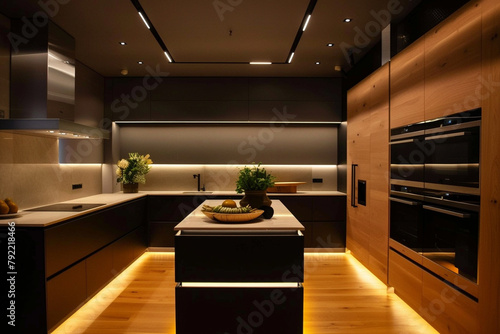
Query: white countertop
{"points": [[281, 220], [47, 218]]}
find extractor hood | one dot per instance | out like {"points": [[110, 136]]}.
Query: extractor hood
{"points": [[52, 127], [42, 90]]}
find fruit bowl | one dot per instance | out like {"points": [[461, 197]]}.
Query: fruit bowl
{"points": [[233, 217]]}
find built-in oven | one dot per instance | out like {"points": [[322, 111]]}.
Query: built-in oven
{"points": [[452, 148], [434, 197]]}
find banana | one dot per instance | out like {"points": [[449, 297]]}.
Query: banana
{"points": [[223, 209]]}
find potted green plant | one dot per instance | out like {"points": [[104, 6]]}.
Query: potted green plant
{"points": [[254, 182], [132, 171]]}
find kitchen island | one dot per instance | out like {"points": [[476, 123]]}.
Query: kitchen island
{"points": [[239, 277]]}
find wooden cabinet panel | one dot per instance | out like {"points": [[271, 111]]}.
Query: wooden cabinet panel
{"points": [[65, 292], [368, 147], [445, 308], [407, 85], [453, 63], [489, 266], [406, 278]]}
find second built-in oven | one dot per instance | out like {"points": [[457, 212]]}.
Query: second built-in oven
{"points": [[435, 193]]}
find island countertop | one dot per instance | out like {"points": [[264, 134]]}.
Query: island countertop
{"points": [[281, 220]]}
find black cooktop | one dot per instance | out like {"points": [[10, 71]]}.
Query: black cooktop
{"points": [[75, 207]]}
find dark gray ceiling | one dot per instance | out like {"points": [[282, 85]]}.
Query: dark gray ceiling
{"points": [[217, 31]]}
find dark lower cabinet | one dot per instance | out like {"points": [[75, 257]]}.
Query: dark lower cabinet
{"points": [[324, 218], [60, 267]]}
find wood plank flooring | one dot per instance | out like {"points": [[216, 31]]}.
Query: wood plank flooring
{"points": [[340, 296]]}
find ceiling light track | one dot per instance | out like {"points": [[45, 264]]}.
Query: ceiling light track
{"points": [[302, 28], [149, 25]]}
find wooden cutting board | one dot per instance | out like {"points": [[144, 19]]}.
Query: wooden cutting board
{"points": [[284, 187]]}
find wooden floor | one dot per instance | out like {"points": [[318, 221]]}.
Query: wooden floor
{"points": [[340, 296]]}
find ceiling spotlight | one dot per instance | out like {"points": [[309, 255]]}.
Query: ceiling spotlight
{"points": [[330, 45], [124, 71], [317, 63], [123, 43], [140, 62], [338, 68], [347, 20]]}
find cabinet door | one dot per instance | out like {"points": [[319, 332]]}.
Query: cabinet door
{"points": [[453, 63], [367, 146], [65, 292], [406, 278], [407, 85]]}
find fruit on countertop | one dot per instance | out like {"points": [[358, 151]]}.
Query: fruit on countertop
{"points": [[4, 208], [229, 203], [13, 208]]}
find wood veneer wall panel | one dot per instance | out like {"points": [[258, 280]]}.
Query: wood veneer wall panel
{"points": [[452, 63], [367, 146], [446, 309], [406, 278], [407, 85], [489, 261]]}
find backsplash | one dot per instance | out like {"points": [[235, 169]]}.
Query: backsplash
{"points": [[31, 175], [223, 177]]}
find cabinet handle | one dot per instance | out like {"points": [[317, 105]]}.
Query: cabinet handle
{"points": [[450, 135], [353, 185], [402, 201], [446, 212]]}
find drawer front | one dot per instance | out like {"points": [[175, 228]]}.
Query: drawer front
{"points": [[71, 241], [242, 258]]}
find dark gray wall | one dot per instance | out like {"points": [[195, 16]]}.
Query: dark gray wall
{"points": [[232, 144]]}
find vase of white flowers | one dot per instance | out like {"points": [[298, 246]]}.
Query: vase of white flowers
{"points": [[132, 171]]}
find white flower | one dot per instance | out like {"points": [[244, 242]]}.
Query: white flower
{"points": [[123, 164], [118, 172]]}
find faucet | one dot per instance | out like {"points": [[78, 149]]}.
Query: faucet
{"points": [[199, 179]]}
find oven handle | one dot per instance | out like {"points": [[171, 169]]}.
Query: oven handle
{"points": [[403, 201], [446, 212], [353, 185], [450, 135]]}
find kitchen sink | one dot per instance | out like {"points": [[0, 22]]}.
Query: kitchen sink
{"points": [[197, 192], [72, 207]]}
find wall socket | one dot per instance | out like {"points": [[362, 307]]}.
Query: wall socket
{"points": [[77, 186], [318, 180]]}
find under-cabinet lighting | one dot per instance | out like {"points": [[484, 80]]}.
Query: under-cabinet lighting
{"points": [[307, 22], [224, 122], [168, 56], [144, 19], [260, 63], [290, 58]]}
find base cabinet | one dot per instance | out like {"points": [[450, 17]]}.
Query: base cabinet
{"points": [[442, 305], [259, 310]]}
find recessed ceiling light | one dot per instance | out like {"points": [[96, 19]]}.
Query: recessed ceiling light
{"points": [[140, 62], [347, 20], [123, 43], [317, 63], [330, 45]]}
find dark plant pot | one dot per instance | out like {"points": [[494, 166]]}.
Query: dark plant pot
{"points": [[130, 187], [256, 199]]}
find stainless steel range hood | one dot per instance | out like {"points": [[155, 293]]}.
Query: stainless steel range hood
{"points": [[42, 90]]}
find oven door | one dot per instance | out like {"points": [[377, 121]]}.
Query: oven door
{"points": [[452, 162], [450, 238], [406, 221]]}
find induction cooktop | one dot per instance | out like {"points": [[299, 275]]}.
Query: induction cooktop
{"points": [[74, 207]]}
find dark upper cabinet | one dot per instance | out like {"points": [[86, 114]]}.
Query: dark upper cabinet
{"points": [[225, 99]]}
